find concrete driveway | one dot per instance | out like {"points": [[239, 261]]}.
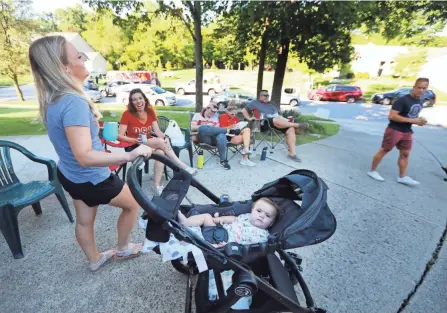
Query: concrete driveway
{"points": [[365, 111], [386, 235]]}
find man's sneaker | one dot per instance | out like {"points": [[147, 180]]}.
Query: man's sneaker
{"points": [[375, 175], [247, 162], [294, 158], [235, 132], [407, 180], [301, 128], [246, 151], [225, 165]]}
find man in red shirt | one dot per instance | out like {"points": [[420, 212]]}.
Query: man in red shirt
{"points": [[229, 120]]}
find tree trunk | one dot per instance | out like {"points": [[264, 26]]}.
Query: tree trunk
{"points": [[262, 53], [280, 71], [198, 55], [17, 86]]}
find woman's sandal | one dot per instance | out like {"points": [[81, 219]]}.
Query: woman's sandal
{"points": [[132, 251], [106, 257]]}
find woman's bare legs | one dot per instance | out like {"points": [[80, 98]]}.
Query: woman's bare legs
{"points": [[158, 143], [128, 216], [158, 168], [84, 230], [244, 139]]}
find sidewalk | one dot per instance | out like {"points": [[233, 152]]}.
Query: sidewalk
{"points": [[386, 234]]}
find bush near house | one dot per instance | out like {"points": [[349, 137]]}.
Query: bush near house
{"points": [[362, 75]]}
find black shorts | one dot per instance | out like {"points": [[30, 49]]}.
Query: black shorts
{"points": [[93, 195], [266, 127]]}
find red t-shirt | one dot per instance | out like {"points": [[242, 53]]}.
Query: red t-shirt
{"points": [[226, 120], [135, 126]]}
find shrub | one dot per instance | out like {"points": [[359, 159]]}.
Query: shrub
{"points": [[350, 75], [168, 66], [364, 75], [314, 127]]}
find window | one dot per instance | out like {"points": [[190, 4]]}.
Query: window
{"points": [[158, 90], [330, 88], [289, 90]]}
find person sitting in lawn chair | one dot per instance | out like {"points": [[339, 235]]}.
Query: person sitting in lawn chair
{"points": [[141, 118], [271, 113], [206, 123], [230, 120]]}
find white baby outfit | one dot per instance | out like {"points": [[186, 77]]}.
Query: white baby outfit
{"points": [[243, 232]]}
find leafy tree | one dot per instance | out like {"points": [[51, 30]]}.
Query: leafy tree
{"points": [[193, 14], [71, 20], [319, 32], [15, 30], [99, 26], [46, 23], [251, 22]]}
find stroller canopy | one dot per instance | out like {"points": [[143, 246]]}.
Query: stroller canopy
{"points": [[305, 218]]}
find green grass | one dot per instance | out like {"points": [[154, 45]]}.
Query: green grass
{"points": [[23, 121], [23, 79], [20, 122]]}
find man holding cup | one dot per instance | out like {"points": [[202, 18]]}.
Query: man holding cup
{"points": [[404, 113]]}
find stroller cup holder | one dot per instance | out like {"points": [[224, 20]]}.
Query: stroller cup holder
{"points": [[263, 271]]}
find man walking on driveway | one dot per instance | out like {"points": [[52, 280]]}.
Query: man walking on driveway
{"points": [[404, 112], [272, 114]]}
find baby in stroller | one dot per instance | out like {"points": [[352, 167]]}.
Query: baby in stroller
{"points": [[245, 228], [263, 270]]}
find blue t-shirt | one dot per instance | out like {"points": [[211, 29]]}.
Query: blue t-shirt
{"points": [[267, 109], [73, 110]]}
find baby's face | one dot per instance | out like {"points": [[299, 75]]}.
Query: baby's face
{"points": [[263, 215]]}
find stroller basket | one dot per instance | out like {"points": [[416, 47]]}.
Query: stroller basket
{"points": [[258, 273]]}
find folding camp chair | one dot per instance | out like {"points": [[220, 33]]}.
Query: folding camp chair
{"points": [[269, 135], [199, 146]]}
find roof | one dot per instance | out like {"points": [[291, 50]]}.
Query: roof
{"points": [[68, 35]]}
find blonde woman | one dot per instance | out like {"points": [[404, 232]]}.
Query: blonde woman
{"points": [[72, 123]]}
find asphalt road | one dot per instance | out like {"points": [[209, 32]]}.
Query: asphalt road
{"points": [[335, 110]]}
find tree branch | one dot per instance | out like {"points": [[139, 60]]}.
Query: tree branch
{"points": [[188, 25]]}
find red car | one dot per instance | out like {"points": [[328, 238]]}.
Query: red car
{"points": [[345, 93]]}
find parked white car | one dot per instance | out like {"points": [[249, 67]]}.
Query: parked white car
{"points": [[209, 87], [156, 95], [94, 95], [290, 95]]}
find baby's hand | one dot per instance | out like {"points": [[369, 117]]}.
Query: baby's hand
{"points": [[220, 244]]}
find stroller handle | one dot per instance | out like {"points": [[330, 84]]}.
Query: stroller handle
{"points": [[143, 200], [139, 160]]}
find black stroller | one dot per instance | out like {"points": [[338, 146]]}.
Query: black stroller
{"points": [[258, 271]]}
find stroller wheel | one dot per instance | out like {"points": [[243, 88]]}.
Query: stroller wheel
{"points": [[184, 269]]}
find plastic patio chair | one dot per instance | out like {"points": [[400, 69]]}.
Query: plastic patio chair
{"points": [[163, 123], [14, 195]]}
